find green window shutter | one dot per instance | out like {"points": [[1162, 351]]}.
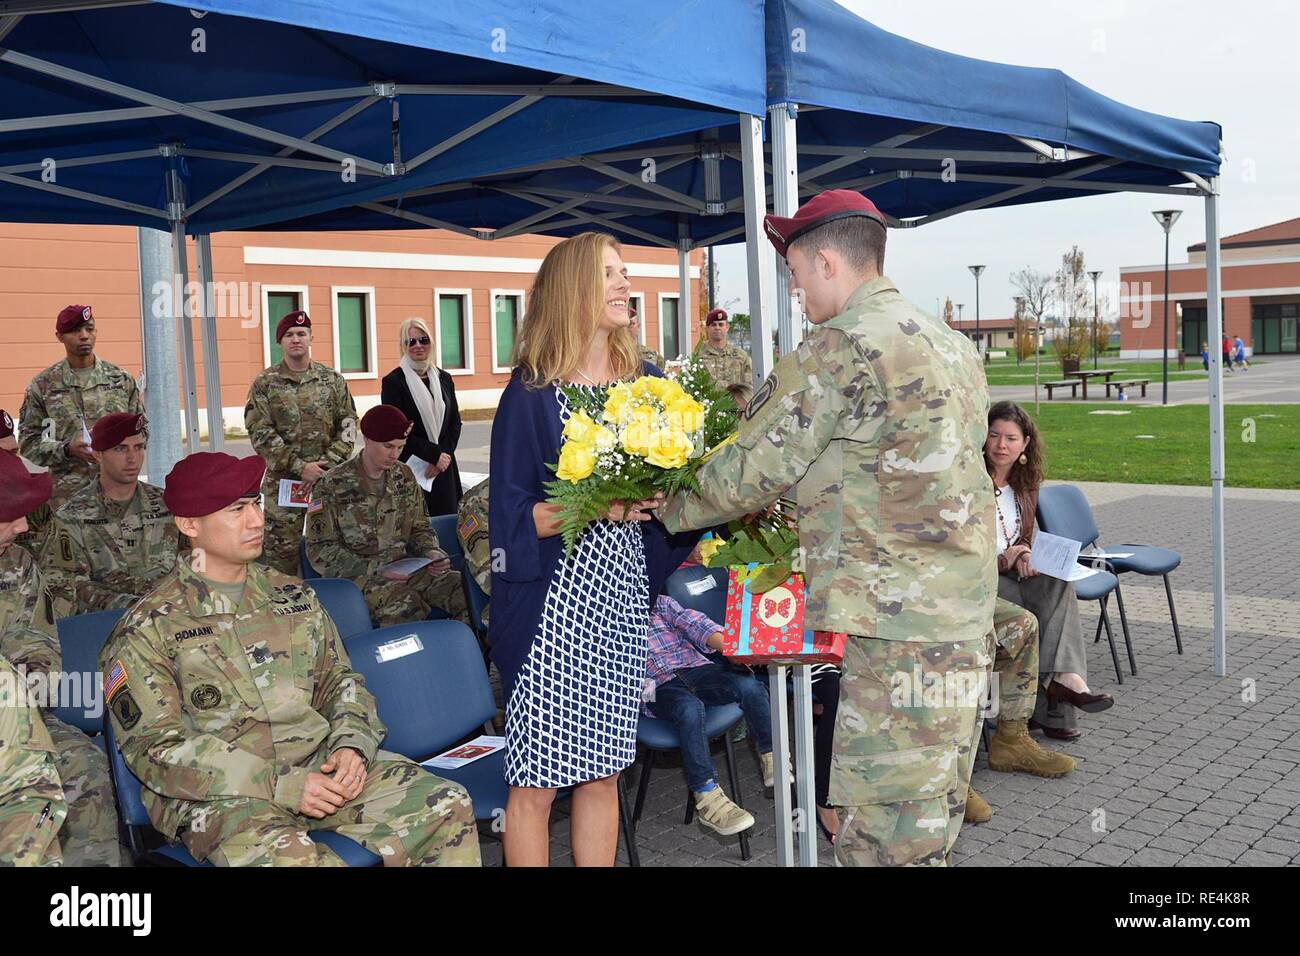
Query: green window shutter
{"points": [[451, 331], [278, 305], [668, 323], [507, 322], [354, 351]]}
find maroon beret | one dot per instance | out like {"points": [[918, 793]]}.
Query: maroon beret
{"points": [[111, 430], [205, 482], [73, 318], [823, 208], [24, 491], [385, 423], [716, 314], [6, 424], [299, 319]]}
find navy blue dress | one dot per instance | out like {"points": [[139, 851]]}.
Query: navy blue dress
{"points": [[568, 637]]}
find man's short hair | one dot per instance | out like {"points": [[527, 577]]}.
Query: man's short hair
{"points": [[860, 240]]}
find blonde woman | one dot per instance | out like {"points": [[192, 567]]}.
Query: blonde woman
{"points": [[426, 395], [568, 636]]}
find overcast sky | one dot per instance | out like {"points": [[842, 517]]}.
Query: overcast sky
{"points": [[1234, 63]]}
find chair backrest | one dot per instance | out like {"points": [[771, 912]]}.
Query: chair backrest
{"points": [[701, 589], [448, 539], [344, 603], [308, 572], [1064, 511], [81, 638], [127, 786], [475, 599], [429, 681]]}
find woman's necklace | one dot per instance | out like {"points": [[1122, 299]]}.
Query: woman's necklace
{"points": [[587, 377], [1002, 522]]}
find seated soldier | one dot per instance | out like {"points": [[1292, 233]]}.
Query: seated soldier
{"points": [[82, 830], [235, 704], [32, 806], [680, 683], [38, 522], [367, 513], [471, 529], [115, 537]]}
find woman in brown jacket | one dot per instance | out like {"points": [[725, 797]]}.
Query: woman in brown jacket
{"points": [[1013, 454]]}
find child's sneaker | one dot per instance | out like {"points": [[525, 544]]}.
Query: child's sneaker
{"points": [[716, 811]]}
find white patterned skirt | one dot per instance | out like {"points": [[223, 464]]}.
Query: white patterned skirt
{"points": [[572, 715]]}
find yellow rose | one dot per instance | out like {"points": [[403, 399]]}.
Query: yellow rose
{"points": [[581, 428], [708, 548], [641, 431], [577, 461], [670, 449], [617, 401], [686, 413]]}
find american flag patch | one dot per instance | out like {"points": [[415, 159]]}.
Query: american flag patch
{"points": [[315, 506], [468, 526], [115, 680]]}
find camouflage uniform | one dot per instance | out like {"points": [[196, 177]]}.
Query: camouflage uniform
{"points": [[1015, 632], [223, 711], [650, 355], [102, 553], [28, 640], [877, 421], [32, 807], [472, 529], [294, 418], [352, 532], [729, 365], [67, 401]]}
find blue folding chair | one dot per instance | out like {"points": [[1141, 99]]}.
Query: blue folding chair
{"points": [[81, 638], [431, 693], [448, 539], [477, 600], [701, 589], [149, 848], [308, 572], [1059, 513], [344, 603]]}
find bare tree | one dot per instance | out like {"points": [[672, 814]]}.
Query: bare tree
{"points": [[1035, 290], [1074, 292], [947, 311]]}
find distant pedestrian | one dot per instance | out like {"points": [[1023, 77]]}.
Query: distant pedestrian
{"points": [[1239, 353]]}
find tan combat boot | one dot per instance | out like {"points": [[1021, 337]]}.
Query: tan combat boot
{"points": [[1013, 749], [717, 812], [977, 808]]}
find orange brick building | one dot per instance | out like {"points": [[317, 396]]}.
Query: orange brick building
{"points": [[357, 287], [1261, 296]]}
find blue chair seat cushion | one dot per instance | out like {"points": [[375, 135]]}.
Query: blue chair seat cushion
{"points": [[1095, 586], [485, 779], [659, 734], [1146, 559]]}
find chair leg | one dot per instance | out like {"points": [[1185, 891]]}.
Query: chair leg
{"points": [[625, 820], [734, 778], [1173, 616], [1123, 623], [1110, 636], [690, 807], [643, 785]]}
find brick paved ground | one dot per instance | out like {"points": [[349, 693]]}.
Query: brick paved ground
{"points": [[1182, 771]]}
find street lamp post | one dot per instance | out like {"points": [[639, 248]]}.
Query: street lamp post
{"points": [[975, 271], [1038, 351], [960, 306], [1166, 218], [1094, 275]]}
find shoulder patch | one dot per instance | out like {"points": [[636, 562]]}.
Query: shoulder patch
{"points": [[115, 680], [126, 710], [760, 397]]}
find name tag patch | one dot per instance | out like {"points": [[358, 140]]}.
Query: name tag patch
{"points": [[193, 632], [402, 647]]}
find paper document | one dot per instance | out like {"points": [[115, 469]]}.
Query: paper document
{"points": [[85, 433], [292, 494], [407, 566], [1109, 554], [476, 749], [418, 468], [1079, 572], [1053, 555]]}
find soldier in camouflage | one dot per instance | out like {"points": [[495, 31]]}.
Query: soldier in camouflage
{"points": [[38, 522], [647, 354], [113, 539], [877, 423], [472, 530], [369, 513], [300, 418], [63, 401], [85, 831], [32, 806], [728, 364], [235, 703]]}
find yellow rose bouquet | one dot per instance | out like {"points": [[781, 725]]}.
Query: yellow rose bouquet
{"points": [[626, 441]]}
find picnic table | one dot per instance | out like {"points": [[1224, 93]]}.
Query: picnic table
{"points": [[1085, 375]]}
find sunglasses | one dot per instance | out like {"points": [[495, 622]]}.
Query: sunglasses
{"points": [[422, 340]]}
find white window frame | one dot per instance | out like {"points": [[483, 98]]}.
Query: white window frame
{"points": [[639, 299], [662, 297], [468, 329], [493, 295], [369, 292], [268, 333]]}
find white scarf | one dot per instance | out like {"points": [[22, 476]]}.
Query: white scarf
{"points": [[428, 398]]}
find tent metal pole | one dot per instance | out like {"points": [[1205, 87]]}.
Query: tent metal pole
{"points": [[451, 142], [7, 25], [180, 279], [685, 315], [74, 161], [158, 352], [722, 236], [759, 257], [1214, 313], [253, 159], [1068, 181], [782, 122], [420, 218], [211, 348]]}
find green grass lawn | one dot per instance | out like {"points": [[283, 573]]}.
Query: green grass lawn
{"points": [[1084, 446], [1006, 372]]}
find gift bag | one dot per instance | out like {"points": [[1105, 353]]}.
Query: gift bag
{"points": [[768, 628]]}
